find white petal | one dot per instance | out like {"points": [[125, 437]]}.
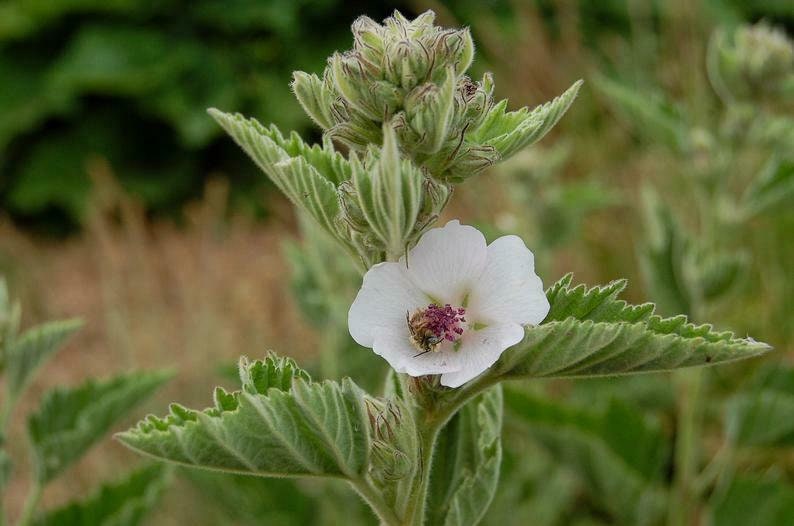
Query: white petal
{"points": [[479, 350], [508, 290], [447, 261], [386, 295], [395, 346]]}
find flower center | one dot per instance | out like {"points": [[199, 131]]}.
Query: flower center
{"points": [[431, 326]]}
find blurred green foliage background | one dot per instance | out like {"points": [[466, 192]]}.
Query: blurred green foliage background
{"points": [[130, 81], [656, 174]]}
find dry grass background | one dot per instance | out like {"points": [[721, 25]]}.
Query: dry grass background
{"points": [[191, 298]]}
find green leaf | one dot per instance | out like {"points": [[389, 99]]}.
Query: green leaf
{"points": [[255, 500], [267, 146], [509, 132], [754, 501], [293, 427], [590, 333], [70, 420], [664, 257], [774, 186], [117, 60], [649, 110], [28, 352], [599, 303], [762, 414], [308, 176], [717, 272], [466, 464], [122, 503], [534, 488], [315, 98], [26, 98], [617, 453]]}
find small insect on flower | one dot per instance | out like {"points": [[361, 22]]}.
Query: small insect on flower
{"points": [[431, 326], [452, 307]]}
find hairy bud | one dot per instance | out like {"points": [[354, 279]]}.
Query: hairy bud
{"points": [[389, 197], [412, 75], [756, 63]]}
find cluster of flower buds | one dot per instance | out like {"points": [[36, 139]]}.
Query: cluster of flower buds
{"points": [[757, 63], [394, 444], [411, 75], [414, 125]]}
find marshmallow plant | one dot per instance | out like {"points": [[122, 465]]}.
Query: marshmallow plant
{"points": [[453, 315]]}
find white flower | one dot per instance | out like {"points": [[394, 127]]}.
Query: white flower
{"points": [[453, 307]]}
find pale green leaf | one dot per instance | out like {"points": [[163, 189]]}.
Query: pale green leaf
{"points": [[315, 98], [290, 427], [773, 187], [717, 272], [70, 420], [664, 256], [754, 501], [122, 503], [509, 132], [616, 452], [247, 500], [465, 470], [762, 414], [308, 176], [599, 303], [654, 116], [590, 333], [25, 354], [534, 487]]}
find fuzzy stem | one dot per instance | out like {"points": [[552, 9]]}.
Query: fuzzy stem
{"points": [[31, 503], [433, 420], [375, 501], [415, 515], [687, 457]]}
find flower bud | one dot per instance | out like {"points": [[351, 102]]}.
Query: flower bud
{"points": [[757, 63], [428, 115], [388, 191], [411, 74], [404, 71], [394, 441]]}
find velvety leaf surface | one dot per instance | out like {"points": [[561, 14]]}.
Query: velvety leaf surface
{"points": [[467, 461], [279, 424], [591, 333]]}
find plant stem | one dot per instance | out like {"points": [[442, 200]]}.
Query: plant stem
{"points": [[373, 498], [415, 515], [31, 503], [434, 419], [685, 491]]}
